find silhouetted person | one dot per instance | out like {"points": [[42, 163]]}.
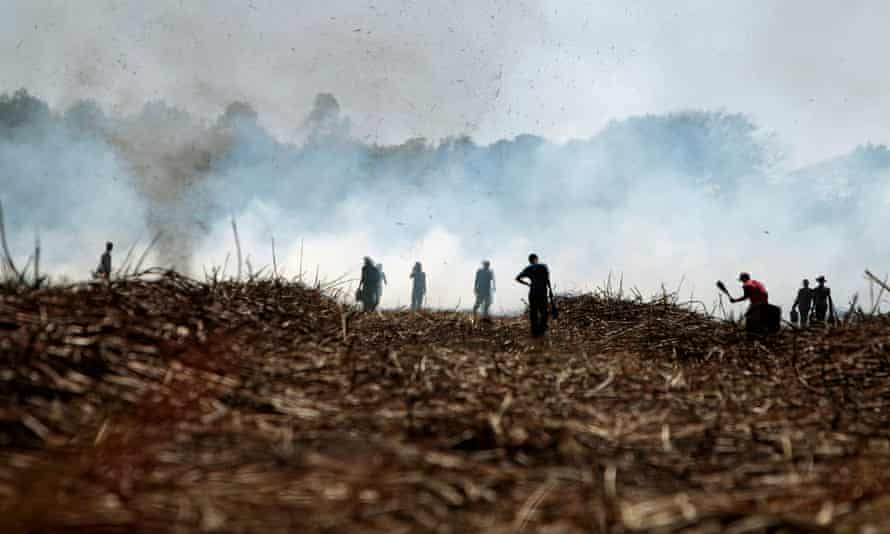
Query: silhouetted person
{"points": [[418, 286], [483, 287], [803, 303], [539, 294], [104, 269], [823, 306], [382, 283], [761, 318], [369, 285]]}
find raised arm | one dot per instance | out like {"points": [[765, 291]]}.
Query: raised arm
{"points": [[743, 297]]}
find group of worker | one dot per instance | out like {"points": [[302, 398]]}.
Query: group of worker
{"points": [[536, 276], [370, 287], [811, 306]]}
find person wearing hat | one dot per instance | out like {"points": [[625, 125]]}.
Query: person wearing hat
{"points": [[822, 304], [754, 291], [761, 317]]}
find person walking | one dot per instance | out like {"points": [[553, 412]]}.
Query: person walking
{"points": [[803, 303], [823, 306]]}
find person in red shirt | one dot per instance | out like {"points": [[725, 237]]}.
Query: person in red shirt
{"points": [[754, 291], [761, 317]]}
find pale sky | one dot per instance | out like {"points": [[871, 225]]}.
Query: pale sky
{"points": [[811, 71]]}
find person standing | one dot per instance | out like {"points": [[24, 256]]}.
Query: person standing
{"points": [[104, 269], [539, 294], [803, 303], [483, 287], [823, 306], [382, 283], [418, 288], [369, 286]]}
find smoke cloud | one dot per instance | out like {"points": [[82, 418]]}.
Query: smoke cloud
{"points": [[676, 199]]}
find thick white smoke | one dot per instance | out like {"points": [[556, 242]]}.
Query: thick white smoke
{"points": [[660, 199]]}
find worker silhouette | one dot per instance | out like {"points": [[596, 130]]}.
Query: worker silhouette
{"points": [[382, 283], [483, 287], [418, 286], [104, 269], [369, 286], [539, 294], [823, 306], [761, 317], [803, 303]]}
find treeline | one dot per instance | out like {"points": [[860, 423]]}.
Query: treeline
{"points": [[192, 172]]}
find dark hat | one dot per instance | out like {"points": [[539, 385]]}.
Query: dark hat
{"points": [[744, 275], [821, 278]]}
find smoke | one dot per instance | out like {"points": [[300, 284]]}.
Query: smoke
{"points": [[170, 155], [674, 200]]}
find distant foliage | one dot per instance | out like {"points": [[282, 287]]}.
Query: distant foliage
{"points": [[192, 173]]}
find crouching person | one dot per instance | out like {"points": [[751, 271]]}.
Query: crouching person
{"points": [[761, 317]]}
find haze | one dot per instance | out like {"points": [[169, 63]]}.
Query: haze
{"points": [[807, 77]]}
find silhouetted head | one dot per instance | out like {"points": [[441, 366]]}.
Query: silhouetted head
{"points": [[744, 277], [821, 280], [486, 264], [806, 283], [368, 260], [108, 246], [533, 258], [418, 267]]}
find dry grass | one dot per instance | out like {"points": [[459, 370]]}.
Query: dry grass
{"points": [[264, 406]]}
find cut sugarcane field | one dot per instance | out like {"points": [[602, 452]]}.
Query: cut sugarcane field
{"points": [[465, 267]]}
